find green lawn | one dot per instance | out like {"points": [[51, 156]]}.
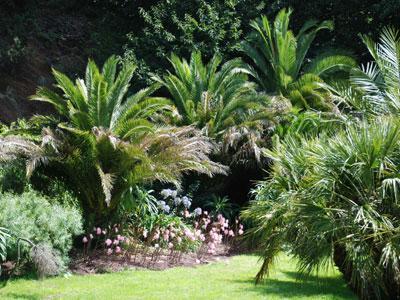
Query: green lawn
{"points": [[232, 279]]}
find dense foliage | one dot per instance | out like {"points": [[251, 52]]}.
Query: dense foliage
{"points": [[115, 141], [31, 216], [332, 191], [335, 197], [278, 57], [219, 100], [181, 27]]}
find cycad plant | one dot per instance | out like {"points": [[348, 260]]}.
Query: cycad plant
{"points": [[110, 142], [218, 99], [335, 199], [280, 63]]}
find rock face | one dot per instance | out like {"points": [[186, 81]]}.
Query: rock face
{"points": [[60, 40]]}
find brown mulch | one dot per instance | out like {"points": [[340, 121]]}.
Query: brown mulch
{"points": [[99, 262]]}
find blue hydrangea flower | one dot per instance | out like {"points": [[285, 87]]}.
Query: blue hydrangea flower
{"points": [[177, 201], [198, 211]]}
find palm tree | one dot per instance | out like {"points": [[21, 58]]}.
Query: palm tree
{"points": [[335, 199], [109, 142], [218, 99], [374, 88], [279, 59]]}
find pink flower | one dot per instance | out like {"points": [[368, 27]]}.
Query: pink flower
{"points": [[172, 234], [98, 231], [241, 226], [202, 237], [226, 231], [121, 238], [205, 213], [231, 233], [91, 236], [179, 239], [84, 240], [156, 236], [108, 242], [165, 237], [145, 233], [109, 251], [170, 245], [116, 242], [240, 232], [197, 261], [156, 246], [117, 249], [196, 224], [186, 214]]}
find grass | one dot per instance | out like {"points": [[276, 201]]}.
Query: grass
{"points": [[232, 279]]}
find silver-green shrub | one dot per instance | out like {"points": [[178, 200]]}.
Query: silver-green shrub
{"points": [[34, 217]]}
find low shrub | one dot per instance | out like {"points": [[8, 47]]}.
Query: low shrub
{"points": [[33, 217]]}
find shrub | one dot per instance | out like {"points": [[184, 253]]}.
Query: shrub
{"points": [[33, 217], [335, 199]]}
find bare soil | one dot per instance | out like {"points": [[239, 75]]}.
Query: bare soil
{"points": [[99, 262]]}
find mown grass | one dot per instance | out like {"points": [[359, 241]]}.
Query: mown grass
{"points": [[231, 279]]}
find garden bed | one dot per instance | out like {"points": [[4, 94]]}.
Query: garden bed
{"points": [[98, 262]]}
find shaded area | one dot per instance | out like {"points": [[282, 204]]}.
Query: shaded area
{"points": [[304, 286]]}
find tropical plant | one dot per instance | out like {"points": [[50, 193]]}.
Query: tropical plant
{"points": [[219, 100], [137, 204], [110, 142], [335, 199], [279, 61], [373, 88], [220, 205], [3, 244]]}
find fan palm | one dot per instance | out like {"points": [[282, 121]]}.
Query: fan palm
{"points": [[218, 99], [110, 142], [279, 60], [336, 199]]}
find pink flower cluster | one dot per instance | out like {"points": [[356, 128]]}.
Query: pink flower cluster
{"points": [[170, 237], [215, 232], [109, 239]]}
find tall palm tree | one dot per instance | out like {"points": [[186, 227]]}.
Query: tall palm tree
{"points": [[109, 142], [218, 99], [279, 60]]}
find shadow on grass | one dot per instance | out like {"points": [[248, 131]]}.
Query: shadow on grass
{"points": [[21, 296], [300, 286]]}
